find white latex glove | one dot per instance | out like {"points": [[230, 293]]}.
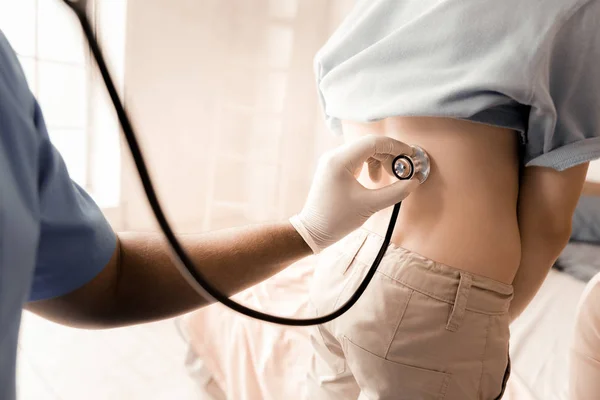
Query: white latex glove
{"points": [[337, 203]]}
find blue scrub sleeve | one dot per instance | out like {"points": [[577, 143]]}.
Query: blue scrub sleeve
{"points": [[76, 242]]}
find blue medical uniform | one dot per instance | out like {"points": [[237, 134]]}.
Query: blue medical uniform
{"points": [[53, 238]]}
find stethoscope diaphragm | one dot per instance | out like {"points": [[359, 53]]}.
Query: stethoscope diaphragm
{"points": [[417, 165]]}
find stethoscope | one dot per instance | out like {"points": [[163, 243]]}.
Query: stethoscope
{"points": [[404, 167]]}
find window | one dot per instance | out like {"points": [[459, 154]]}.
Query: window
{"points": [[48, 41]]}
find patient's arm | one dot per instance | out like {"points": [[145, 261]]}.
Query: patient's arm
{"points": [[547, 200]]}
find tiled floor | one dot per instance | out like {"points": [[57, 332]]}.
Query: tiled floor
{"points": [[143, 362]]}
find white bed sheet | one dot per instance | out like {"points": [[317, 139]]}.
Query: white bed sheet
{"points": [[540, 339]]}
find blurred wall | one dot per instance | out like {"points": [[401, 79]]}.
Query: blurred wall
{"points": [[224, 97]]}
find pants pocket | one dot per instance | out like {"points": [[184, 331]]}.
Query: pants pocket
{"points": [[381, 379]]}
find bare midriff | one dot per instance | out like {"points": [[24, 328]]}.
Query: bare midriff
{"points": [[465, 214]]}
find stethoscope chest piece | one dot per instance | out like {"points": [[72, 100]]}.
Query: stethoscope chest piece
{"points": [[417, 165]]}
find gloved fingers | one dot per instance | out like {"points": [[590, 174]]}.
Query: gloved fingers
{"points": [[386, 161], [386, 146], [382, 157], [374, 167], [392, 194], [354, 154]]}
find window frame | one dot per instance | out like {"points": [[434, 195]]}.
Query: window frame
{"points": [[34, 60]]}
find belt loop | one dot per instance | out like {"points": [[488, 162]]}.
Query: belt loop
{"points": [[460, 302]]}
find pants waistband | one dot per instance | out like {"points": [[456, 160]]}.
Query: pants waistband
{"points": [[429, 277]]}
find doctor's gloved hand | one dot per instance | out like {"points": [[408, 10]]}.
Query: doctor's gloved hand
{"points": [[337, 203]]}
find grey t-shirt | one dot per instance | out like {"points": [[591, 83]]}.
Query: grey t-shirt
{"points": [[529, 65]]}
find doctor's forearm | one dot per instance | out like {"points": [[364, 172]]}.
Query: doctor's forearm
{"points": [[141, 284], [149, 286]]}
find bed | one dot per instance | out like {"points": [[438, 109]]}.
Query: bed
{"points": [[233, 357]]}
